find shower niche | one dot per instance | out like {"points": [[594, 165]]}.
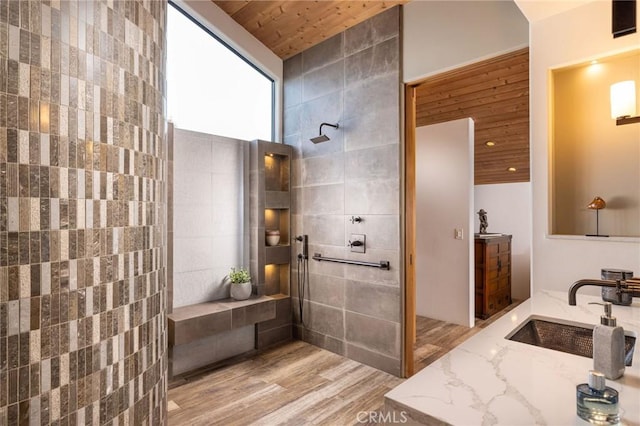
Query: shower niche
{"points": [[271, 211], [277, 204], [271, 204]]}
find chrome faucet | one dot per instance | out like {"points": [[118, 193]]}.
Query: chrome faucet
{"points": [[630, 286]]}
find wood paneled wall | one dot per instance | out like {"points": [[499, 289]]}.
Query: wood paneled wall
{"points": [[495, 93]]}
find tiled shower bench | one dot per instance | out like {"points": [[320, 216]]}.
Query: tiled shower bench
{"points": [[192, 323]]}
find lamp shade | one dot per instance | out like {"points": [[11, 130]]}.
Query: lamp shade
{"points": [[623, 99], [597, 204]]}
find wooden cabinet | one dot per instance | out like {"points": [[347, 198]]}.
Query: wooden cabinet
{"points": [[493, 274]]}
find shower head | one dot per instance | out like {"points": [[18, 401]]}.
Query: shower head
{"points": [[320, 139], [323, 138]]}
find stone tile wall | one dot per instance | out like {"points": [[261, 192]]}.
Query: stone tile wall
{"points": [[211, 214], [352, 79], [82, 212]]}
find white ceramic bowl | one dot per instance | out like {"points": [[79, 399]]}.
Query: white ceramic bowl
{"points": [[273, 240]]}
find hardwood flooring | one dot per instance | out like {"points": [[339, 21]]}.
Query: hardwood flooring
{"points": [[296, 384], [301, 384], [435, 338]]}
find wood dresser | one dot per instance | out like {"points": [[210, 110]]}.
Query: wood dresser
{"points": [[493, 274]]}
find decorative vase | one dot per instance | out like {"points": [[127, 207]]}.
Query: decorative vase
{"points": [[273, 237], [241, 291]]}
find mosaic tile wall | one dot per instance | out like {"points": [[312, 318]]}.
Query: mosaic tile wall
{"points": [[82, 212]]}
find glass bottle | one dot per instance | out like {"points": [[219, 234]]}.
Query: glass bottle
{"points": [[596, 402]]}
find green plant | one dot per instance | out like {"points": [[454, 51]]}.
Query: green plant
{"points": [[238, 276]]}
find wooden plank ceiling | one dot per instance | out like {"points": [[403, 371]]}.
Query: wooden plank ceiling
{"points": [[289, 27], [495, 93]]}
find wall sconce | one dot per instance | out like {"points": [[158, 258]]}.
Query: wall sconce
{"points": [[597, 204], [623, 102]]}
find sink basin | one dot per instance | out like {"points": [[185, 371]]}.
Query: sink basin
{"points": [[563, 336]]}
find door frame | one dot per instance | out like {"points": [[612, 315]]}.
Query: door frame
{"points": [[410, 215], [409, 337]]}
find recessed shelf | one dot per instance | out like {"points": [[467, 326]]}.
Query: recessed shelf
{"points": [[276, 279], [276, 172], [270, 211], [278, 219]]}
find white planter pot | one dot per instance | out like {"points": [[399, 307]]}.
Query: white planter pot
{"points": [[241, 291]]}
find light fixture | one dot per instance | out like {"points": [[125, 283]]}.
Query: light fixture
{"points": [[490, 143], [597, 204], [623, 102]]}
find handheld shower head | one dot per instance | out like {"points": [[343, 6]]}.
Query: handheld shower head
{"points": [[323, 138]]}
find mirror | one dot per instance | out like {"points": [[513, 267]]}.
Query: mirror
{"points": [[591, 156]]}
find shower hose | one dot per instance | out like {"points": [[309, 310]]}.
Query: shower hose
{"points": [[303, 278]]}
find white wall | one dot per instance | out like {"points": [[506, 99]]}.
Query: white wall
{"points": [[577, 35], [508, 207], [441, 35], [223, 26], [444, 265], [210, 200]]}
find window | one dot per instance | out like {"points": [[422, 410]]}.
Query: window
{"points": [[211, 88]]}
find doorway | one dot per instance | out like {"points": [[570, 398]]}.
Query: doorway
{"points": [[494, 92], [442, 215]]}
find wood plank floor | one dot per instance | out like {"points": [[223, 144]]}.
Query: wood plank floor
{"points": [[301, 384], [435, 338], [296, 383]]}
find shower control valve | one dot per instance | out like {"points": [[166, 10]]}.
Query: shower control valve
{"points": [[358, 243], [356, 219]]}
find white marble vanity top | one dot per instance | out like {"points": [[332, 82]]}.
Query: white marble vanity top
{"points": [[489, 380]]}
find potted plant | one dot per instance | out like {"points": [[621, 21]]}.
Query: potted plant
{"points": [[240, 283]]}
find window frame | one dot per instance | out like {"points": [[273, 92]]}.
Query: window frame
{"points": [[239, 55]]}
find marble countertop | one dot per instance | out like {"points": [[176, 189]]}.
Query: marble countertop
{"points": [[489, 380]]}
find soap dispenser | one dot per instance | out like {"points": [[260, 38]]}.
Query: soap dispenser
{"points": [[608, 345]]}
